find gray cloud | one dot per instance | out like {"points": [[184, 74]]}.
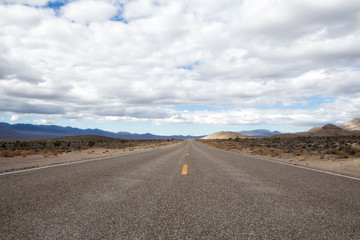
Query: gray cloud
{"points": [[18, 106], [18, 70]]}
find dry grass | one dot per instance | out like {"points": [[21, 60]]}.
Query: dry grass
{"points": [[300, 152], [74, 143], [9, 153], [340, 147], [265, 152], [6, 153], [53, 156]]}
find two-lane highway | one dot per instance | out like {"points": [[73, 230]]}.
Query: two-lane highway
{"points": [[187, 191]]}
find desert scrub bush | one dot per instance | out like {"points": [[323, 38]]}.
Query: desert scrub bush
{"points": [[23, 153], [334, 151], [91, 143], [20, 144], [275, 153], [6, 153], [9, 153], [349, 149], [296, 153], [17, 153], [30, 152], [300, 152], [55, 153], [259, 151], [57, 143]]}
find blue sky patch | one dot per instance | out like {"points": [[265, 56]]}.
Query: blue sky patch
{"points": [[119, 15], [190, 66], [119, 18], [56, 5], [306, 103]]}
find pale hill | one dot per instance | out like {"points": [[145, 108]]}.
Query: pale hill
{"points": [[225, 135], [327, 130], [353, 125]]}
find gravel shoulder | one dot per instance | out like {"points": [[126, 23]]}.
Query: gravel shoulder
{"points": [[8, 164]]}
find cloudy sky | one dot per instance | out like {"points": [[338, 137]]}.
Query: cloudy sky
{"points": [[180, 66]]}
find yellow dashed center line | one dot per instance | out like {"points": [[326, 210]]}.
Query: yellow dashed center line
{"points": [[184, 170]]}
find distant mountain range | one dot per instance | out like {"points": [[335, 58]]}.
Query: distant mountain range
{"points": [[351, 128], [259, 133], [30, 131]]}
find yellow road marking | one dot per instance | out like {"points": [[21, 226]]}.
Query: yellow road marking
{"points": [[184, 170]]}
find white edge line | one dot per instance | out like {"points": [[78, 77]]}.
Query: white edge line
{"points": [[307, 168], [70, 163]]}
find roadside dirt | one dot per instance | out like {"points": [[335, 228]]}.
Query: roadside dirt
{"points": [[348, 166], [31, 161], [340, 156]]}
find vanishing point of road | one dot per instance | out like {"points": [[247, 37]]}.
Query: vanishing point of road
{"points": [[185, 191]]}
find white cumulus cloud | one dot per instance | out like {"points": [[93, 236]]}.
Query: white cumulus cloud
{"points": [[265, 61], [85, 12]]}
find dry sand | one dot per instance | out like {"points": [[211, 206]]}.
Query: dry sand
{"points": [[348, 166], [19, 162]]}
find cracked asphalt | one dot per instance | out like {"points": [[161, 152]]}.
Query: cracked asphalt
{"points": [[147, 195]]}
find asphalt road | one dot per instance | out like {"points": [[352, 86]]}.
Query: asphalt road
{"points": [[148, 195]]}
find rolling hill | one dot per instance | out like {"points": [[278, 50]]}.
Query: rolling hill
{"points": [[353, 125], [351, 128]]}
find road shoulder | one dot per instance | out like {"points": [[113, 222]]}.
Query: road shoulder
{"points": [[349, 166], [10, 164]]}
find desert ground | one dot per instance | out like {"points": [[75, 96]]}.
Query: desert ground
{"points": [[30, 154], [336, 154]]}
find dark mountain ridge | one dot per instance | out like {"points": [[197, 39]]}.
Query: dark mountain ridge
{"points": [[259, 133], [29, 131]]}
